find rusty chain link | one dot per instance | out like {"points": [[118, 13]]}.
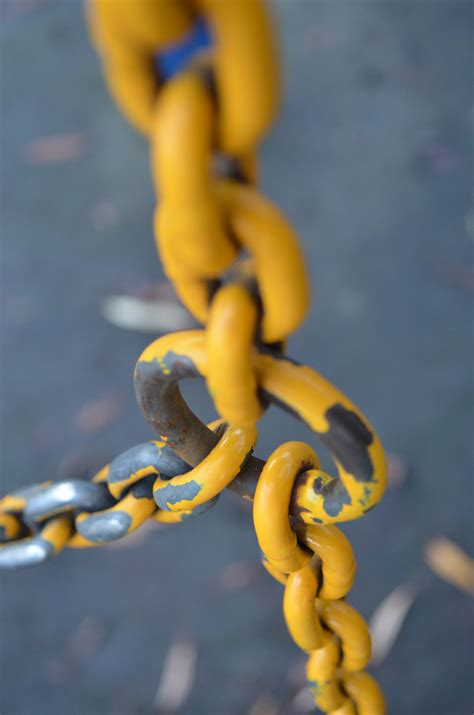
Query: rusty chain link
{"points": [[237, 266]]}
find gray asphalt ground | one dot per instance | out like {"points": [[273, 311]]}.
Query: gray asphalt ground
{"points": [[370, 159]]}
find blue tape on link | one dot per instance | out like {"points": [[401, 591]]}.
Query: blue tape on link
{"points": [[172, 60]]}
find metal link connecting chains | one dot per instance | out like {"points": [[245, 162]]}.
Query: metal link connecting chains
{"points": [[236, 264]]}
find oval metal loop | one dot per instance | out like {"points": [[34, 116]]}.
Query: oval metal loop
{"points": [[127, 35], [130, 478], [262, 230], [121, 519], [275, 536], [18, 499], [212, 475], [11, 527], [126, 516], [176, 517], [346, 708], [64, 496], [321, 672], [333, 418], [338, 565], [246, 68], [365, 692], [191, 235], [153, 457], [259, 228], [299, 608], [38, 548], [333, 549], [230, 334], [347, 623]]}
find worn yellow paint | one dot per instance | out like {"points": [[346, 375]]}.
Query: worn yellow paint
{"points": [[117, 488], [102, 474], [310, 396], [330, 574], [170, 517], [138, 509], [77, 541], [215, 471], [11, 502], [322, 673], [15, 502], [57, 531]]}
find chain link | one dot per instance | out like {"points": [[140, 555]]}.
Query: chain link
{"points": [[236, 264], [39, 521]]}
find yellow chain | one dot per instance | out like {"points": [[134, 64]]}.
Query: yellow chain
{"points": [[202, 223], [221, 105]]}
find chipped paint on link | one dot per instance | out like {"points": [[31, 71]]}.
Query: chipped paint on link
{"points": [[212, 475], [340, 426], [153, 457], [39, 548], [123, 518]]}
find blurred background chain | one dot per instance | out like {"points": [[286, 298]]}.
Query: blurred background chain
{"points": [[236, 264]]}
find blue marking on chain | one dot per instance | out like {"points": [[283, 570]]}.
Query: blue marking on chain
{"points": [[174, 58]]}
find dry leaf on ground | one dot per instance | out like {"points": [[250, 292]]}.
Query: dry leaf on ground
{"points": [[55, 149], [397, 470], [95, 416], [144, 315], [177, 677], [443, 158], [83, 643], [460, 277], [296, 675], [264, 705], [104, 215], [238, 575], [451, 563], [22, 7], [387, 620], [303, 702]]}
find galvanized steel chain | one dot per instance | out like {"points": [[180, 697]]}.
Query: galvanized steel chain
{"points": [[236, 264]]}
